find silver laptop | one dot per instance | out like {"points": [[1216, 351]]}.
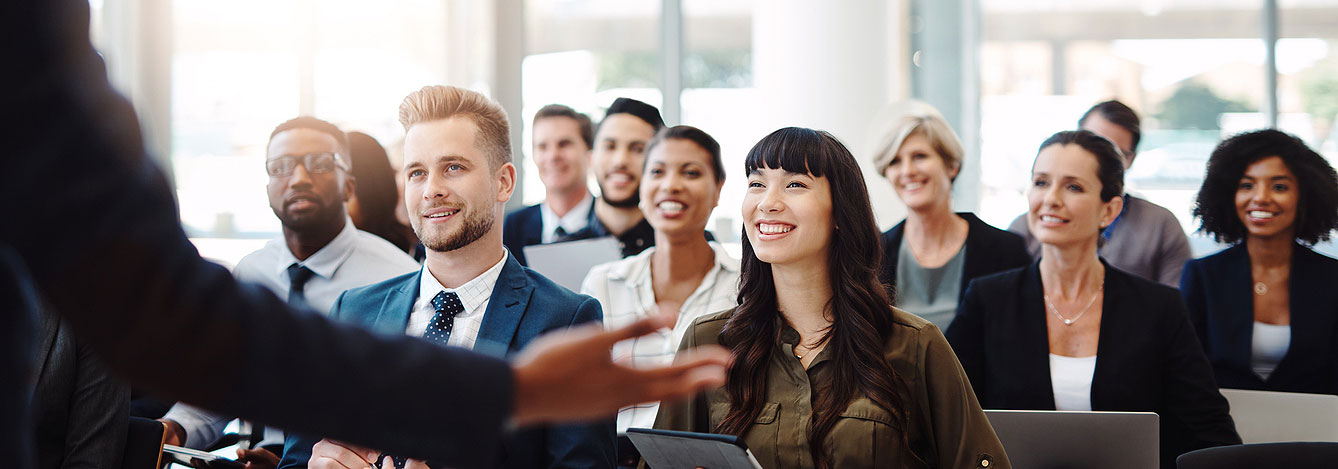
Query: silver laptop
{"points": [[566, 263], [1062, 439], [1268, 417]]}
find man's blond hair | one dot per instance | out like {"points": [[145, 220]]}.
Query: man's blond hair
{"points": [[443, 102]]}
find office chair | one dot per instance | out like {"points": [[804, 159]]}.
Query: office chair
{"points": [[1273, 455]]}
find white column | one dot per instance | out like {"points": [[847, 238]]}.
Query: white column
{"points": [[832, 66]]}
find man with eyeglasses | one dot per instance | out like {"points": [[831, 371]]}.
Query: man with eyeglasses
{"points": [[319, 255]]}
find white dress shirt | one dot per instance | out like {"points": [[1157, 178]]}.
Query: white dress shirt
{"points": [[474, 295], [625, 291], [353, 259], [575, 219]]}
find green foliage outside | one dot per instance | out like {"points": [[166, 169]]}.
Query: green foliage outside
{"points": [[1196, 106]]}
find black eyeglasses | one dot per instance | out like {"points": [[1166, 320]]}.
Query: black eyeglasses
{"points": [[315, 163]]}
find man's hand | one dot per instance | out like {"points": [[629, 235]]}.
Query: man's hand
{"points": [[173, 433], [570, 375], [330, 454], [259, 458]]}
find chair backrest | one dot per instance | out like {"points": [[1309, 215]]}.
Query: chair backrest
{"points": [[143, 444], [1267, 416], [1271, 455]]}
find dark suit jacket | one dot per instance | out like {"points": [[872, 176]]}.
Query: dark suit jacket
{"points": [[988, 250], [523, 305], [81, 411], [94, 222], [1148, 358], [1219, 292], [524, 227]]}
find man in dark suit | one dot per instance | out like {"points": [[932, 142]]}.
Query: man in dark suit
{"points": [[470, 292], [562, 142], [112, 219]]}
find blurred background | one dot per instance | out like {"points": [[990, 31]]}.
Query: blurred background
{"points": [[211, 79]]}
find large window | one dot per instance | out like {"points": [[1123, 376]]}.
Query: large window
{"points": [[1196, 71], [240, 68], [585, 54]]}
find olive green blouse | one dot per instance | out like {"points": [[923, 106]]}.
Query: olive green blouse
{"points": [[947, 428]]}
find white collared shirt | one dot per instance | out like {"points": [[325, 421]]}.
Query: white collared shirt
{"points": [[575, 219], [353, 259], [474, 295], [625, 291]]}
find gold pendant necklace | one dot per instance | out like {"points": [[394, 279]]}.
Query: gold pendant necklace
{"points": [[1260, 288]]}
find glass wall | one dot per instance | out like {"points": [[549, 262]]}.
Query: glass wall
{"points": [[585, 54], [717, 89], [240, 68], [1192, 69]]}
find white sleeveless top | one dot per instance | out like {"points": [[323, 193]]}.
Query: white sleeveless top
{"points": [[1071, 378], [1268, 346]]}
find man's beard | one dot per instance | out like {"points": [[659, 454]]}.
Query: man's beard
{"points": [[629, 202], [471, 229], [319, 219]]}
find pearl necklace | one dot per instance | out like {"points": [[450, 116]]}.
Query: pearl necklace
{"points": [[1068, 321]]}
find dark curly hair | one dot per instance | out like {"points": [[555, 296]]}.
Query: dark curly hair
{"points": [[1317, 208]]}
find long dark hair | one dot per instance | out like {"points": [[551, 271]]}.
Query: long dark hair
{"points": [[376, 189], [860, 310]]}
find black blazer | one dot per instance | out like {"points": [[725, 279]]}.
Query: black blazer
{"points": [[988, 250], [132, 286], [1148, 358], [1218, 290]]}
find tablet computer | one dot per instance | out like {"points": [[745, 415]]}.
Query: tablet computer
{"points": [[566, 263], [669, 449], [196, 458]]}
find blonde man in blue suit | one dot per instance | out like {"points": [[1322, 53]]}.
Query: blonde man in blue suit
{"points": [[471, 292]]}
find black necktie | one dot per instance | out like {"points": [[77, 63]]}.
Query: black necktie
{"points": [[448, 306], [560, 235], [298, 275]]}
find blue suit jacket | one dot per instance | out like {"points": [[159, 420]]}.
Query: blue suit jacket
{"points": [[524, 305], [1218, 290]]}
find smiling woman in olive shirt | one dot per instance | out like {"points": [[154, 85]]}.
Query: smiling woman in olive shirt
{"points": [[826, 373]]}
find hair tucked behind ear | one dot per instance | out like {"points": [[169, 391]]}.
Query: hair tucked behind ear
{"points": [[861, 312]]}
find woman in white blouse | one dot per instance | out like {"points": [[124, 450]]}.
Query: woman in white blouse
{"points": [[683, 274]]}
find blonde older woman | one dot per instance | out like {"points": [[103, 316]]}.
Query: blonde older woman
{"points": [[931, 256]]}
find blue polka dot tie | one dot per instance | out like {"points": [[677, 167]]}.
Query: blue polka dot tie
{"points": [[448, 306]]}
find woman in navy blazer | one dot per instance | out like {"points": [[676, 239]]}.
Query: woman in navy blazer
{"points": [[1069, 332], [921, 157], [1265, 309]]}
